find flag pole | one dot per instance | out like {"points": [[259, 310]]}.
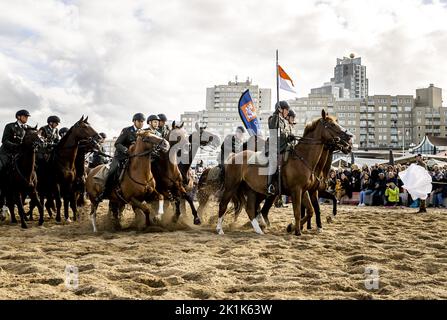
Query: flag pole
{"points": [[278, 132]]}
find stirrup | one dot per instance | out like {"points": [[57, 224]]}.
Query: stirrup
{"points": [[271, 190]]}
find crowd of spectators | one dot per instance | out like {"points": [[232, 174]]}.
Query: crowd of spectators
{"points": [[383, 185]]}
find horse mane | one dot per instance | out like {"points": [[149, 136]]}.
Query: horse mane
{"points": [[313, 125], [64, 139]]}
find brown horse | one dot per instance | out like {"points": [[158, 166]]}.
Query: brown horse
{"points": [[21, 180], [63, 164], [172, 172], [137, 183], [322, 170], [298, 173]]}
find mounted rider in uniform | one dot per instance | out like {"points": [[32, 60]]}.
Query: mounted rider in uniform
{"points": [[127, 137], [50, 135], [278, 121], [12, 138]]}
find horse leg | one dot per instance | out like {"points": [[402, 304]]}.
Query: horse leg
{"points": [[177, 210], [190, 201], [57, 197], [268, 203], [11, 205], [203, 198], [305, 199], [296, 199], [73, 205], [139, 205], [316, 206], [251, 211], [35, 200], [114, 208], [19, 202], [226, 197], [32, 205], [303, 214], [93, 208]]}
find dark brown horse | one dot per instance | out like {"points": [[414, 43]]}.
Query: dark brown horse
{"points": [[21, 180], [298, 173], [137, 183], [60, 174]]}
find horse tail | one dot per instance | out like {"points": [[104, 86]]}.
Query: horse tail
{"points": [[239, 201]]}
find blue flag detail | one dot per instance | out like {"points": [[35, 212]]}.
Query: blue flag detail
{"points": [[247, 111]]}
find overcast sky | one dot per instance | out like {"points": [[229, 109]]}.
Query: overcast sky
{"points": [[110, 59]]}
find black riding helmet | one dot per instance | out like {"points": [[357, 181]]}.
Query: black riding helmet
{"points": [[138, 116], [282, 105], [22, 112], [55, 119], [152, 117], [103, 135], [63, 131], [162, 117], [241, 129], [292, 113]]}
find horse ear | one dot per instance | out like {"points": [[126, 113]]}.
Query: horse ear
{"points": [[35, 128], [82, 118], [173, 125], [85, 120], [197, 126], [183, 123], [323, 114]]}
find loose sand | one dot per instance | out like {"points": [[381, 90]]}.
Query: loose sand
{"points": [[190, 262]]}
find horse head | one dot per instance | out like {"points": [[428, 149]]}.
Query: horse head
{"points": [[177, 134], [82, 130], [32, 139], [204, 137], [333, 135], [152, 141]]}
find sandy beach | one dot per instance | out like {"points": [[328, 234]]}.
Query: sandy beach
{"points": [[182, 261]]}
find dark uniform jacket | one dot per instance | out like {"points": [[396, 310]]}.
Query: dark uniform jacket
{"points": [[126, 138], [273, 123], [12, 137], [99, 157], [50, 137]]}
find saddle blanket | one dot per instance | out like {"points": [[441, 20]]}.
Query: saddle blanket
{"points": [[101, 175]]}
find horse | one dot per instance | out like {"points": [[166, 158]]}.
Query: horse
{"points": [[84, 147], [21, 180], [298, 173], [58, 176], [174, 180], [137, 183], [322, 170]]}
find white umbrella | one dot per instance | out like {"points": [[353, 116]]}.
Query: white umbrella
{"points": [[417, 181]]}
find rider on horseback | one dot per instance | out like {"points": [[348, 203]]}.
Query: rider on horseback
{"points": [[127, 137], [153, 121], [99, 156], [12, 138], [162, 126], [278, 121], [50, 135]]}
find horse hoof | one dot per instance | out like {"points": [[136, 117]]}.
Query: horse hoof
{"points": [[297, 233], [197, 221], [319, 230], [40, 223], [24, 226], [13, 221]]}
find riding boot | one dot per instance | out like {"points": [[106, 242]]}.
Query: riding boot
{"points": [[422, 207], [110, 181]]}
